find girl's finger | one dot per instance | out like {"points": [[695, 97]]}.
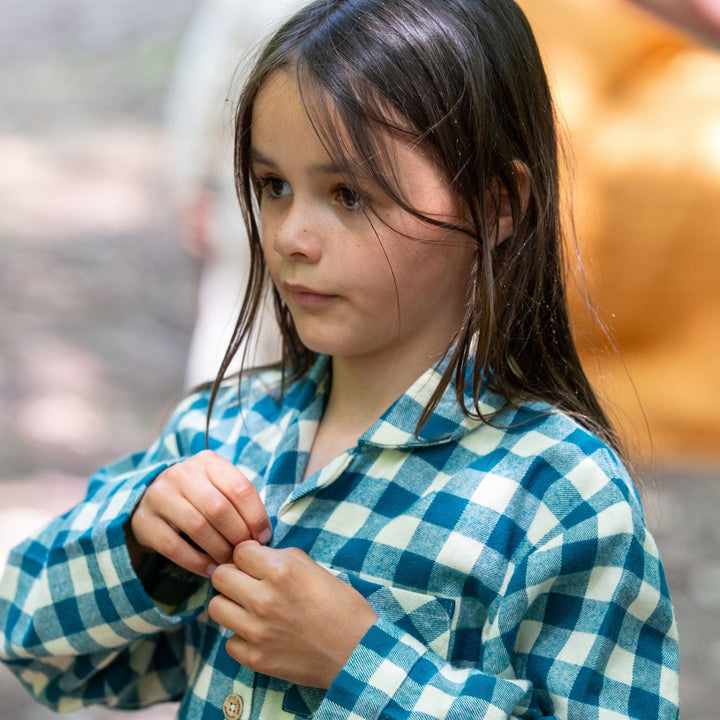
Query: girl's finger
{"points": [[224, 611], [279, 566], [235, 585], [195, 525], [242, 494], [241, 651], [218, 510], [177, 512], [171, 545]]}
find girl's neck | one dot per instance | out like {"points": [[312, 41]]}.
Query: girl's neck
{"points": [[362, 391]]}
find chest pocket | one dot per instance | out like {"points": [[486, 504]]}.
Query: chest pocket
{"points": [[428, 618]]}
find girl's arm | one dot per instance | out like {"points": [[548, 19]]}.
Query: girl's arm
{"points": [[76, 624], [80, 622]]}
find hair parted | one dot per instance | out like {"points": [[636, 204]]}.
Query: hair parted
{"points": [[463, 79]]}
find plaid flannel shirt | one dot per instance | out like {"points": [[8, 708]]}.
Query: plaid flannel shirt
{"points": [[509, 565]]}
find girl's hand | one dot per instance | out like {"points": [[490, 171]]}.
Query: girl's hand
{"points": [[292, 619], [205, 498]]}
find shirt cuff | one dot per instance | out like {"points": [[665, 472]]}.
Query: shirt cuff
{"points": [[125, 589], [374, 674]]}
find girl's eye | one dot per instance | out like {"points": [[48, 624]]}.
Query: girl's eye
{"points": [[273, 187], [351, 199]]}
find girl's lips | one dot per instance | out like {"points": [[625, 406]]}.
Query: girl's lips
{"points": [[307, 297]]}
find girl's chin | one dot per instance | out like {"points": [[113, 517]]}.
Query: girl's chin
{"points": [[334, 346]]}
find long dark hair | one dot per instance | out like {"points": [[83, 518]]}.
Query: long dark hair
{"points": [[464, 80]]}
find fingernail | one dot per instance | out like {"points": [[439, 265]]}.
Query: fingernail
{"points": [[210, 569], [264, 536]]}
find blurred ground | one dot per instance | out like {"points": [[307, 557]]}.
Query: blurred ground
{"points": [[96, 296], [96, 299]]}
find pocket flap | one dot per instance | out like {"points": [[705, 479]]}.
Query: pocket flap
{"points": [[428, 618]]}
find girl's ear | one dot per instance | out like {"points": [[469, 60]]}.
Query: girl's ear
{"points": [[499, 201]]}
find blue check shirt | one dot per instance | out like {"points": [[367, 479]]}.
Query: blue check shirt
{"points": [[509, 566]]}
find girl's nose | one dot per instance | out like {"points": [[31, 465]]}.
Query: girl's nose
{"points": [[297, 234]]}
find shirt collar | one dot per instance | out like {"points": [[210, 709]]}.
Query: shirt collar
{"points": [[396, 427]]}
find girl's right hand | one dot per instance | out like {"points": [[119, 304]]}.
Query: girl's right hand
{"points": [[207, 499]]}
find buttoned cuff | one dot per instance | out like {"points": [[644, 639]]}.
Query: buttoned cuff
{"points": [[374, 675], [125, 589]]}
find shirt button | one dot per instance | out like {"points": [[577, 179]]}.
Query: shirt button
{"points": [[233, 707]]}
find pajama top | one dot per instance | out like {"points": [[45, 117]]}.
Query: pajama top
{"points": [[508, 563]]}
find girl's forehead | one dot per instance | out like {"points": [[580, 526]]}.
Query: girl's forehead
{"points": [[282, 94], [284, 126], [278, 83], [379, 149], [362, 106]]}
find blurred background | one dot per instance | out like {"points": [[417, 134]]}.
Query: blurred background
{"points": [[98, 295]]}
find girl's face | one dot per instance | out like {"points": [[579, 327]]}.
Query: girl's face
{"points": [[362, 278]]}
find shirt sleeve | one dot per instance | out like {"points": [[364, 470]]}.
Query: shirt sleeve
{"points": [[584, 629], [76, 623]]}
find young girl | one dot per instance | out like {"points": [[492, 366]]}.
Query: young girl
{"points": [[422, 512]]}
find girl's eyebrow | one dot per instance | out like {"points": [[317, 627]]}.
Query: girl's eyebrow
{"points": [[329, 168], [260, 159]]}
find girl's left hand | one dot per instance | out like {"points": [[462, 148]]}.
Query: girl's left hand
{"points": [[292, 619]]}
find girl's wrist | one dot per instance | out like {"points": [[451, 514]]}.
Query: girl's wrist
{"points": [[137, 552]]}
